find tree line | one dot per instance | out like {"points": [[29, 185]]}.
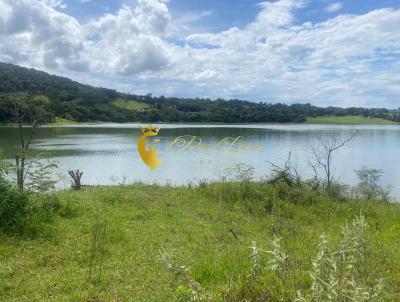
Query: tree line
{"points": [[83, 103]]}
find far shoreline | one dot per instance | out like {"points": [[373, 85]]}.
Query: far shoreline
{"points": [[347, 120]]}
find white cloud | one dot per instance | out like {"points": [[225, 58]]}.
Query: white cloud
{"points": [[55, 3], [327, 63], [190, 17], [334, 7], [189, 23], [38, 33], [128, 42], [349, 60], [205, 75], [278, 13]]}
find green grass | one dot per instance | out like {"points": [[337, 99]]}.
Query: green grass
{"points": [[63, 121], [208, 230], [130, 105], [59, 121], [348, 120]]}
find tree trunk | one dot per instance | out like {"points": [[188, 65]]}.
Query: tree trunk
{"points": [[76, 177], [328, 174], [20, 164]]}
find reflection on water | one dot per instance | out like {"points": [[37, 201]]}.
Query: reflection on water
{"points": [[108, 152]]}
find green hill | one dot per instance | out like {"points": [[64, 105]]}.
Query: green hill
{"points": [[70, 100], [130, 105], [349, 120]]}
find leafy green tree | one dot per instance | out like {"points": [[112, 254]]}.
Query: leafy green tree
{"points": [[369, 186], [31, 110]]}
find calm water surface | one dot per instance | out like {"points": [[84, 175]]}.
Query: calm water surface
{"points": [[107, 153]]}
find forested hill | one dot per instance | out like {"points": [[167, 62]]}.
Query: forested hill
{"points": [[83, 103]]}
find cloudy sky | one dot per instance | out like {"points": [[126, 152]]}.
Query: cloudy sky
{"points": [[326, 52]]}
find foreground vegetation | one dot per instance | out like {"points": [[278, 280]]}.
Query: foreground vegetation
{"points": [[280, 238], [198, 243]]}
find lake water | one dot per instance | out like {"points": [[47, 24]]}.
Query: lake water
{"points": [[107, 153]]}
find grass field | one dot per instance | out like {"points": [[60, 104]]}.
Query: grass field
{"points": [[63, 121], [59, 121], [334, 120], [150, 243], [131, 105], [348, 120]]}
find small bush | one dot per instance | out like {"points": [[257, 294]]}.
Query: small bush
{"points": [[14, 206], [336, 272], [286, 173], [369, 186], [297, 195], [25, 213], [338, 191], [46, 204]]}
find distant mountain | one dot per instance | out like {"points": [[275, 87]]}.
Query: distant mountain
{"points": [[74, 101], [16, 79]]}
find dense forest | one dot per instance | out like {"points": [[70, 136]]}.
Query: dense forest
{"points": [[83, 103]]}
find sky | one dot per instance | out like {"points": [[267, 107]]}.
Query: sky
{"points": [[323, 52]]}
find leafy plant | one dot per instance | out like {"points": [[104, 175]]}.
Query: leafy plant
{"points": [[287, 173], [170, 264], [336, 273], [190, 290], [4, 166], [14, 206], [39, 175], [97, 250], [369, 186], [278, 262]]}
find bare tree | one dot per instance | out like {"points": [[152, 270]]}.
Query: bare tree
{"points": [[76, 176], [288, 173], [323, 147]]}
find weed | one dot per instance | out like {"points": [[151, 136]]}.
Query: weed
{"points": [[336, 274], [97, 250]]}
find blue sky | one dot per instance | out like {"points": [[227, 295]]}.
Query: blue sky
{"points": [[326, 52], [227, 13]]}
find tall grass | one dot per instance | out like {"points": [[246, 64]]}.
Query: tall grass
{"points": [[338, 274], [238, 239], [98, 246]]}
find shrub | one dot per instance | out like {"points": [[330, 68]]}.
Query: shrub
{"points": [[39, 175], [45, 205], [287, 173], [336, 272], [14, 206], [338, 191], [369, 186], [296, 194], [21, 210]]}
